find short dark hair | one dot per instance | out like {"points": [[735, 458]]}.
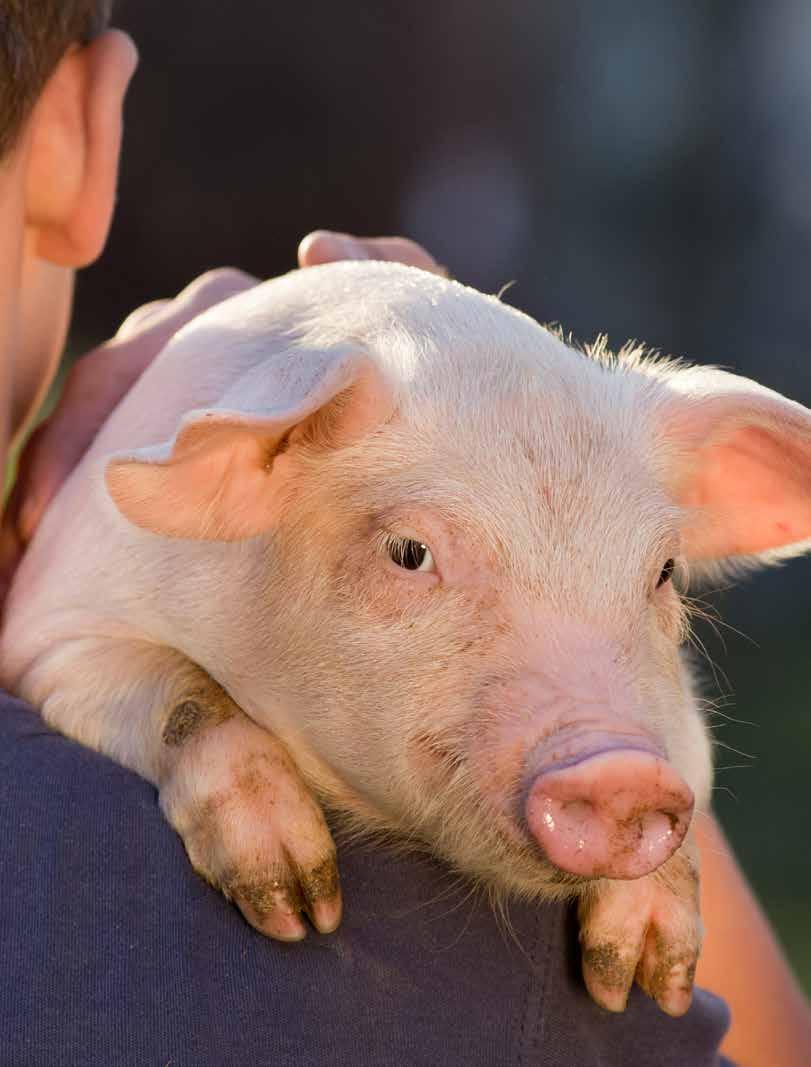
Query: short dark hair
{"points": [[34, 35]]}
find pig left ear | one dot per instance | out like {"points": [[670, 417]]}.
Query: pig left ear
{"points": [[740, 464], [221, 478]]}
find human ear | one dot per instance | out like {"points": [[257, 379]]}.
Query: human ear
{"points": [[74, 145]]}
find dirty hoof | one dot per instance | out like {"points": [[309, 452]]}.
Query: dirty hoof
{"points": [[253, 829], [273, 902], [648, 930]]}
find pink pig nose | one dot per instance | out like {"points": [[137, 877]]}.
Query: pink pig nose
{"points": [[616, 814]]}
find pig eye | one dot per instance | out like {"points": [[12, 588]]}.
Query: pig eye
{"points": [[409, 554], [667, 572]]}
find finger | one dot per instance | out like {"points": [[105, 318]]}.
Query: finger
{"points": [[324, 246], [137, 319], [215, 286], [163, 318]]}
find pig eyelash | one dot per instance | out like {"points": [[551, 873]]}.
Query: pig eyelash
{"points": [[667, 573], [409, 553]]}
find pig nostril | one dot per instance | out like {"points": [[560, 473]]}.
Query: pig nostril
{"points": [[615, 814], [657, 829], [567, 817]]}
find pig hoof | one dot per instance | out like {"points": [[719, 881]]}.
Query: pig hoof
{"points": [[253, 829], [273, 904], [648, 930], [608, 971], [667, 971]]}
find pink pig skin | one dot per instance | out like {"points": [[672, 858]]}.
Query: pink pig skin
{"points": [[365, 538]]}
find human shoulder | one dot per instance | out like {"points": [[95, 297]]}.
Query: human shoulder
{"points": [[114, 947]]}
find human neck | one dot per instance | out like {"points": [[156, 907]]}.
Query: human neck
{"points": [[11, 265], [35, 303]]}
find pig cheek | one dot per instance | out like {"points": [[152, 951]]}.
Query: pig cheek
{"points": [[690, 744], [426, 647], [500, 770], [675, 718], [668, 616], [379, 595], [434, 759]]}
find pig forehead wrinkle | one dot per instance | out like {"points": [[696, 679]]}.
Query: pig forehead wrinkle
{"points": [[530, 515]]}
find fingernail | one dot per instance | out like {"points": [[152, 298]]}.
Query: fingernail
{"points": [[340, 246], [351, 247]]}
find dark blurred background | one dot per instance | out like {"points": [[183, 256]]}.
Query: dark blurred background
{"points": [[638, 169]]}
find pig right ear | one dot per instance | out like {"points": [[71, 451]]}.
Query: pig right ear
{"points": [[220, 478], [740, 468]]}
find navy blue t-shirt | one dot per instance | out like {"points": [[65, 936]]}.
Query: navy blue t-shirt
{"points": [[113, 952]]}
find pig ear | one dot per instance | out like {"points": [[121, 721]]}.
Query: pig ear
{"points": [[740, 466], [220, 478]]}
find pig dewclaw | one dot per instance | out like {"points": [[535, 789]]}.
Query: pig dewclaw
{"points": [[364, 538]]}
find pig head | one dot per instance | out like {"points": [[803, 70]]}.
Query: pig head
{"points": [[435, 552]]}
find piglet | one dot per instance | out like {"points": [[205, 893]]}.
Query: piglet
{"points": [[364, 538]]}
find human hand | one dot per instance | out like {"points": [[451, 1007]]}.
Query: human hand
{"points": [[93, 387], [324, 246], [98, 381]]}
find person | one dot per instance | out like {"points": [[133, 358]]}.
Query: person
{"points": [[113, 950]]}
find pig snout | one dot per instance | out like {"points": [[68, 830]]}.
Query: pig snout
{"points": [[617, 811]]}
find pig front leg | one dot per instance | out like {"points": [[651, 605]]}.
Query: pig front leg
{"points": [[250, 824], [648, 929]]}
